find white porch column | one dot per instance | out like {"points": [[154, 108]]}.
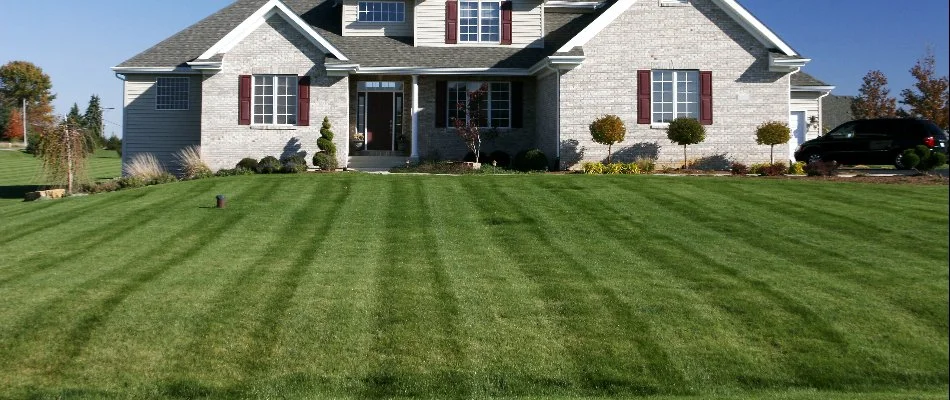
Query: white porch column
{"points": [[415, 118]]}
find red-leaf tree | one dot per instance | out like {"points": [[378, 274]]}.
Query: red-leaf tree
{"points": [[930, 99], [874, 100], [14, 128], [467, 126]]}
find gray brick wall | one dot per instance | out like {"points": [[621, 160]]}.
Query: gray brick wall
{"points": [[274, 48], [545, 105], [648, 36]]}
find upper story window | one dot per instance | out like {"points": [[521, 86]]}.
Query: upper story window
{"points": [[275, 99], [381, 11], [479, 21], [171, 93], [675, 94]]}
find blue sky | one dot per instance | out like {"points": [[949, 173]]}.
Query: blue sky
{"points": [[76, 42]]}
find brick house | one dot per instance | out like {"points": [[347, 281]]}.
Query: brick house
{"points": [[257, 77]]}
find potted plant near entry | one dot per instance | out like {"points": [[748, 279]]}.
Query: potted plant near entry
{"points": [[357, 140]]}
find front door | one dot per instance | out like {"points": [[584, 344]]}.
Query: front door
{"points": [[379, 121], [796, 124]]}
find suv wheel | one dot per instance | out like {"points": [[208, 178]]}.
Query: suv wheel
{"points": [[897, 161], [812, 157]]}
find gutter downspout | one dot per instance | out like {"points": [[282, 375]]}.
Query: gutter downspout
{"points": [[557, 113], [122, 78], [821, 112]]}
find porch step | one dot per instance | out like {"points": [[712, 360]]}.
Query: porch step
{"points": [[379, 163]]}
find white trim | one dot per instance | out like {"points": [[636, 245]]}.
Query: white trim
{"points": [[813, 88], [414, 152], [258, 18], [730, 7], [559, 62], [478, 27], [443, 71], [779, 63], [598, 25], [754, 26], [587, 5], [275, 82], [154, 70], [205, 65]]}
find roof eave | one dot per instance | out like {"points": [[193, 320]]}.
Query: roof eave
{"points": [[154, 70], [781, 63]]}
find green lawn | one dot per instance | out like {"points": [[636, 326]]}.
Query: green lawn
{"points": [[354, 285], [21, 172]]}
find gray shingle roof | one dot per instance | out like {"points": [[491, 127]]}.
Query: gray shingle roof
{"points": [[836, 110], [802, 79], [374, 51]]}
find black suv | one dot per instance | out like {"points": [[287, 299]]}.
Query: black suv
{"points": [[873, 141]]}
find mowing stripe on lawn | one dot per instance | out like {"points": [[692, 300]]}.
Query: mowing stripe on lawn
{"points": [[94, 234], [565, 301], [822, 375], [211, 227], [65, 215], [405, 301]]}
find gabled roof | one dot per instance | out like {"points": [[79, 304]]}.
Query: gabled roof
{"points": [[732, 8], [803, 79]]}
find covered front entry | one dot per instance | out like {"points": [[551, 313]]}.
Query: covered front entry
{"points": [[380, 114]]}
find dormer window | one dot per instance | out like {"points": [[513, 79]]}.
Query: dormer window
{"points": [[381, 11], [480, 21]]}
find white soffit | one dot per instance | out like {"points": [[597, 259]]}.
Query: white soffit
{"points": [[258, 18]]}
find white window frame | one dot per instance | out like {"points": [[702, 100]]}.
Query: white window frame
{"points": [[677, 96], [172, 96], [471, 86], [674, 3], [275, 81], [360, 12], [479, 25]]}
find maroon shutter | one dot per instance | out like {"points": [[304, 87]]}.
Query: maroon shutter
{"points": [[517, 104], [244, 100], [644, 87], [506, 22], [705, 98], [441, 103], [451, 21], [303, 101]]}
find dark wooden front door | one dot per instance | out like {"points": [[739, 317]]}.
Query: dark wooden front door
{"points": [[379, 121]]}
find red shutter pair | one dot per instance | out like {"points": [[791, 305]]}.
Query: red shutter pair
{"points": [[452, 22], [244, 100], [645, 87]]}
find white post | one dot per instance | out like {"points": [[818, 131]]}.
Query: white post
{"points": [[24, 121], [415, 118]]}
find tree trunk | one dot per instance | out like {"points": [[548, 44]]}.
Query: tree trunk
{"points": [[609, 152], [685, 163], [69, 162], [772, 155]]}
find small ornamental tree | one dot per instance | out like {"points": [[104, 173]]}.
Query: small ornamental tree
{"points": [[874, 100], [468, 128], [772, 133], [930, 97], [14, 128], [608, 130], [686, 131], [64, 153]]}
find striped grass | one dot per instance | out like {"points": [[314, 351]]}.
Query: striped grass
{"points": [[533, 286]]}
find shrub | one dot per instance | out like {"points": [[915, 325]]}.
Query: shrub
{"points": [[686, 131], [922, 158], [772, 133], [777, 169], [145, 167], [247, 163], [796, 168], [645, 164], [531, 160], [164, 177], [192, 166], [632, 168], [102, 187], [293, 164], [500, 158], [821, 168], [616, 168], [594, 168], [325, 142], [268, 165], [113, 143], [324, 161], [234, 172], [738, 169], [608, 130], [757, 169], [130, 182]]}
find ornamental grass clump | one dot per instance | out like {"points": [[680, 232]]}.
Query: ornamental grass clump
{"points": [[191, 164], [686, 131], [772, 133], [608, 130], [144, 167]]}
